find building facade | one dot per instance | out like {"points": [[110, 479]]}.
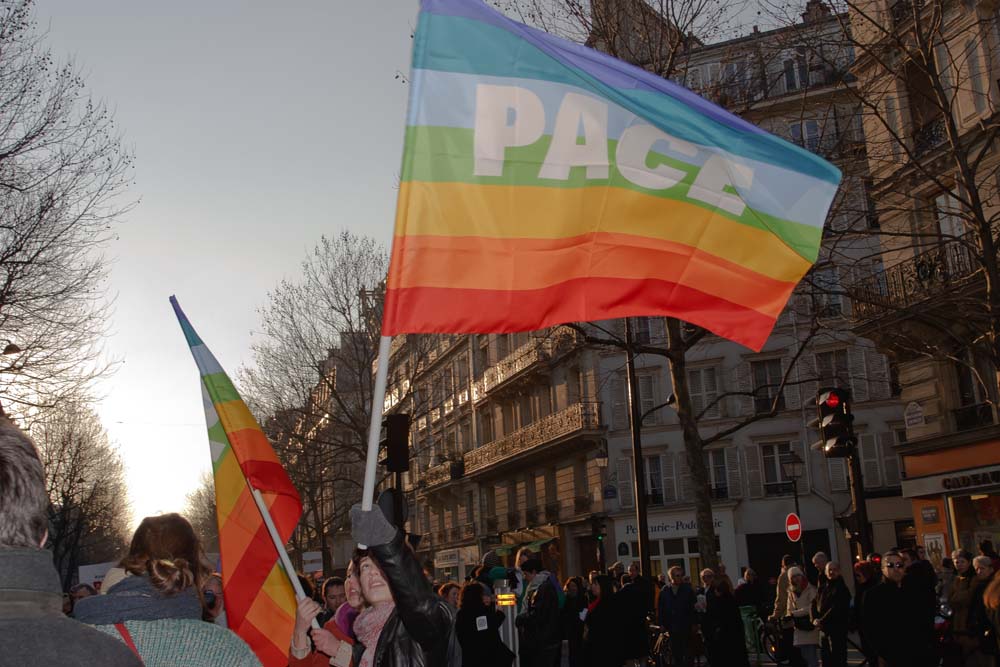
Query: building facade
{"points": [[930, 71]]}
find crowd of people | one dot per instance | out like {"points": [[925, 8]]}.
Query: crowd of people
{"points": [[162, 605]]}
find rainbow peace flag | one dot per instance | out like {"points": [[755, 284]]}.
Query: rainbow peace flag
{"points": [[260, 602], [544, 182]]}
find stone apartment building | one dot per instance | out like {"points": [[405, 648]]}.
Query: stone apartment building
{"points": [[793, 82], [505, 447], [930, 69]]}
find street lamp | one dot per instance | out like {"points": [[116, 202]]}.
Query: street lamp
{"points": [[794, 468]]}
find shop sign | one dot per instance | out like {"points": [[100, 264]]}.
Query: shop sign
{"points": [[929, 514], [623, 549], [610, 492], [678, 527], [935, 485], [971, 479], [312, 561], [913, 415], [446, 558]]}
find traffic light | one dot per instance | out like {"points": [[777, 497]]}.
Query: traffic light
{"points": [[397, 442], [835, 423], [597, 528]]}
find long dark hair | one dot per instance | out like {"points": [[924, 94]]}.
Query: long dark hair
{"points": [[471, 598], [607, 586], [166, 549]]}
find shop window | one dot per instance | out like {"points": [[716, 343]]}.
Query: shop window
{"points": [[976, 518]]}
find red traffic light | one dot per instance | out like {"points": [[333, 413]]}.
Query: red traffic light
{"points": [[833, 399]]}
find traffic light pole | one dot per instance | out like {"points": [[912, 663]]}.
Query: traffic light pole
{"points": [[858, 500], [638, 469]]}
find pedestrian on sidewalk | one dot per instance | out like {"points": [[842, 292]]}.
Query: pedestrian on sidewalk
{"points": [[832, 616]]}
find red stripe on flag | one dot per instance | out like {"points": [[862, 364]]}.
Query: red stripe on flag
{"points": [[269, 654], [449, 310]]}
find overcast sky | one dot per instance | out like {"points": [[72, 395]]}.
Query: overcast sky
{"points": [[257, 127]]}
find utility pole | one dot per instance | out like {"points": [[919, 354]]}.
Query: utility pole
{"points": [[638, 467]]}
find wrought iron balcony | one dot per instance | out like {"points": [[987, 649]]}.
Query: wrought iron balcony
{"points": [[582, 504], [973, 416], [468, 531], [575, 418], [532, 516], [552, 511], [928, 137], [513, 520], [523, 358], [902, 10], [445, 472], [940, 270]]}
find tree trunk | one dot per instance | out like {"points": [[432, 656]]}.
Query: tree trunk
{"points": [[692, 447]]}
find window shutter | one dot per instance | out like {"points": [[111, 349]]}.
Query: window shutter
{"points": [[619, 417], [743, 404], [838, 474], [711, 386], [684, 476], [669, 479], [733, 472], [792, 400], [870, 469], [626, 494], [755, 478], [697, 390], [647, 398], [890, 461], [878, 375], [859, 376], [809, 374]]}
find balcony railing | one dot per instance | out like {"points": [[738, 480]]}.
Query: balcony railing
{"points": [[438, 474], [513, 520], [932, 272], [902, 10], [973, 416], [582, 504], [468, 531], [928, 137], [577, 417], [528, 355], [532, 516], [552, 511]]}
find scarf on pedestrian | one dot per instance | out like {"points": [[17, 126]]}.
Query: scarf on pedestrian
{"points": [[136, 599], [368, 627], [344, 617]]}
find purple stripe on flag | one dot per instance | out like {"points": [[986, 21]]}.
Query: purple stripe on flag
{"points": [[607, 70]]}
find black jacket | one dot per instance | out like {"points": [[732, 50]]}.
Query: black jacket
{"points": [[632, 604], [833, 608], [539, 630], [420, 632], [723, 631], [887, 624], [676, 612], [33, 629], [600, 637], [482, 647]]}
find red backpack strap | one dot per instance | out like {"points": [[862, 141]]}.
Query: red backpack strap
{"points": [[127, 637]]}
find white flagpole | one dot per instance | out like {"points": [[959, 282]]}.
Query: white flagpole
{"points": [[375, 427], [280, 546]]}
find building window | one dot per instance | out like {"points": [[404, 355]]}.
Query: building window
{"points": [[641, 330], [718, 478], [829, 301], [775, 481], [654, 480], [767, 376], [704, 389], [832, 370], [975, 76]]}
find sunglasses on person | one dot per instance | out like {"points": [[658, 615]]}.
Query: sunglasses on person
{"points": [[897, 566]]}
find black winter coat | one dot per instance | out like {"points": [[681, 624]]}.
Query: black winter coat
{"points": [[888, 625], [833, 608], [723, 631], [420, 632], [482, 648], [540, 636], [601, 642]]}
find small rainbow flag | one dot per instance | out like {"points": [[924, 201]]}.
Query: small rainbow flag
{"points": [[544, 182], [260, 602]]}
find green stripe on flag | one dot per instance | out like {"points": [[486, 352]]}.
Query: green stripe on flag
{"points": [[445, 155], [220, 388]]}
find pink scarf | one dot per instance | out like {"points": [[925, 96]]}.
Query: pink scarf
{"points": [[368, 626]]}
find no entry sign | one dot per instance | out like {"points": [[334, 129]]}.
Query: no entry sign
{"points": [[793, 527]]}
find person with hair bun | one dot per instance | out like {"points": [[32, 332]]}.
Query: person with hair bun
{"points": [[156, 607]]}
